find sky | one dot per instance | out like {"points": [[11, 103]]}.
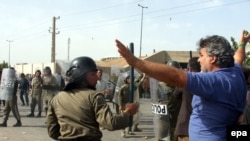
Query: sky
{"points": [[93, 25]]}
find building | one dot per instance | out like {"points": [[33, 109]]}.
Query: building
{"points": [[107, 63]]}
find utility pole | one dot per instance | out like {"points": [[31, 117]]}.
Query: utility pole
{"points": [[142, 7], [53, 48], [68, 47], [9, 51]]}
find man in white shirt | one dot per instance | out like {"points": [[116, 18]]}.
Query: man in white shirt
{"points": [[101, 85]]}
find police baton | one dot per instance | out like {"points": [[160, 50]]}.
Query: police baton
{"points": [[131, 88]]}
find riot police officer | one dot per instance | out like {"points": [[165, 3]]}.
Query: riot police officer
{"points": [[77, 112], [174, 103], [9, 85], [50, 87], [168, 101]]}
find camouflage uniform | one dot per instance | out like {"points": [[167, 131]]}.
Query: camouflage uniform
{"points": [[83, 114], [123, 99], [50, 89], [123, 96], [36, 95]]}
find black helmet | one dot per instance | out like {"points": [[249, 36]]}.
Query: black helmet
{"points": [[78, 68], [174, 64], [47, 70], [127, 77]]}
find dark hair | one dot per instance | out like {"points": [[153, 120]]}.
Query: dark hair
{"points": [[194, 64], [246, 72], [126, 78], [47, 69], [218, 46], [22, 75], [38, 71]]}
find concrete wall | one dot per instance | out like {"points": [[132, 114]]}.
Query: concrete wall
{"points": [[31, 68]]}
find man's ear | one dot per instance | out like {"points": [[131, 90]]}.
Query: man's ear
{"points": [[213, 59]]}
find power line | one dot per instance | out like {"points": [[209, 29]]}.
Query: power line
{"points": [[27, 33], [200, 9], [126, 19], [47, 20], [99, 9], [133, 18], [135, 15]]}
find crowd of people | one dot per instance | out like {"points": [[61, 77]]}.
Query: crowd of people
{"points": [[41, 89], [195, 103]]}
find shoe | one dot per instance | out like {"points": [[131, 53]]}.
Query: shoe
{"points": [[22, 104], [4, 124], [27, 104], [102, 128], [137, 130], [39, 114], [131, 133], [18, 124], [123, 134], [31, 115]]}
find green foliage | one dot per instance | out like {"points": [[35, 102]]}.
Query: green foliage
{"points": [[234, 44], [3, 65], [235, 47]]}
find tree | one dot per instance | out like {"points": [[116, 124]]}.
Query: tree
{"points": [[3, 65], [235, 47]]}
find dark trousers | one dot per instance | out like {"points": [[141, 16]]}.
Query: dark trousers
{"points": [[246, 114], [25, 94]]}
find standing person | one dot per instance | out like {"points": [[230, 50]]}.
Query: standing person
{"points": [[245, 119], [169, 96], [23, 89], [123, 99], [10, 86], [146, 88], [36, 94], [101, 85], [2, 101], [219, 91], [60, 81], [174, 99], [50, 87], [181, 130], [77, 112]]}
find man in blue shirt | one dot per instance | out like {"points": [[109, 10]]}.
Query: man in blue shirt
{"points": [[219, 90]]}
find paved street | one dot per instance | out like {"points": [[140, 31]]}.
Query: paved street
{"points": [[34, 129]]}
